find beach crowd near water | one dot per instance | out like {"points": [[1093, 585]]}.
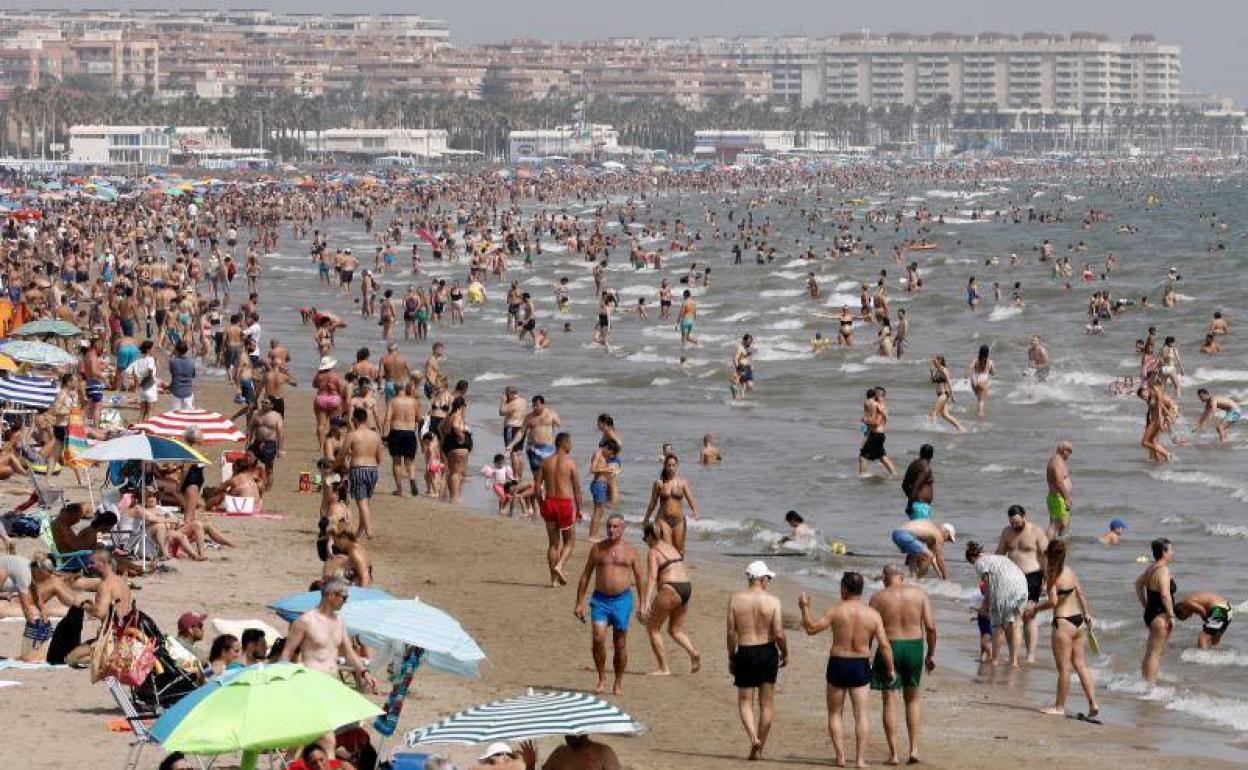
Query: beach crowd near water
{"points": [[399, 300]]}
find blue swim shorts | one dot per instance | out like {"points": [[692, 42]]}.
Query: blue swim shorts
{"points": [[907, 542], [615, 611], [599, 490]]}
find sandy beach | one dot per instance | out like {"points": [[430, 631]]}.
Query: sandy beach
{"points": [[489, 573]]}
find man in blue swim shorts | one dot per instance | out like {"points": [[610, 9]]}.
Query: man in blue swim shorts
{"points": [[918, 485], [615, 568], [923, 543], [1229, 413], [538, 433]]}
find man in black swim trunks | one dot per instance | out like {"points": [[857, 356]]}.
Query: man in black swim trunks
{"points": [[854, 625], [757, 650]]}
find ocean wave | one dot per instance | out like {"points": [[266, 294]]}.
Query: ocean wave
{"points": [[847, 286], [1206, 374], [648, 357], [788, 275], [1214, 657], [781, 293], [788, 323], [1228, 530], [849, 368], [571, 382], [1001, 313], [490, 376], [1238, 491], [840, 299], [661, 381], [744, 315], [947, 589]]}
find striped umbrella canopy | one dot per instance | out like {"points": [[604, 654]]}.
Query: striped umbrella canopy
{"points": [[47, 327], [529, 716], [39, 353], [213, 428], [139, 446], [28, 390]]}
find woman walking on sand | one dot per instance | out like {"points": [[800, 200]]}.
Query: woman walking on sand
{"points": [[1072, 622], [666, 597]]}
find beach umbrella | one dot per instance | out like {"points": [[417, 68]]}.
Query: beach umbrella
{"points": [[260, 708], [28, 390], [7, 364], [530, 715], [140, 446], [290, 607], [38, 353], [47, 327], [213, 428]]}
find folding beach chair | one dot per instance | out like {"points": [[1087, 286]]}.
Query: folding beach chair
{"points": [[65, 561]]}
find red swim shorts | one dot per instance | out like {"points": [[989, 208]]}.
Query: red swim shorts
{"points": [[560, 511]]}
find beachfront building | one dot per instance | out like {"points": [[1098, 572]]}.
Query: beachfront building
{"points": [[725, 145], [120, 145], [569, 142], [367, 143]]}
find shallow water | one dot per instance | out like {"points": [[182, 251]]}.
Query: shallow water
{"points": [[793, 443]]}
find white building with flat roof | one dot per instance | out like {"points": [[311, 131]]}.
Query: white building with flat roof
{"points": [[374, 142], [120, 145], [577, 141]]}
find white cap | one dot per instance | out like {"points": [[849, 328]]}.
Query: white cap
{"points": [[494, 749], [327, 363], [758, 569], [953, 533]]}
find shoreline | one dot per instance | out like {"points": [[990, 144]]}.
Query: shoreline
{"points": [[490, 574]]}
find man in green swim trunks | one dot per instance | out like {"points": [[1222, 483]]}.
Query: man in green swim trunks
{"points": [[908, 620], [1060, 489], [688, 312]]}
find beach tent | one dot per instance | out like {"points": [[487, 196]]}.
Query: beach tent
{"points": [[531, 715], [28, 390], [257, 709]]}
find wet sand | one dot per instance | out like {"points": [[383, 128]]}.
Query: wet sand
{"points": [[491, 575]]}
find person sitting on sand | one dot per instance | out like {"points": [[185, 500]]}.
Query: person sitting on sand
{"points": [[68, 540], [577, 753], [243, 483], [349, 559], [10, 465]]}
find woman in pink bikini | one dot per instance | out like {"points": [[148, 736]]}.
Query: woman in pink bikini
{"points": [[331, 394]]}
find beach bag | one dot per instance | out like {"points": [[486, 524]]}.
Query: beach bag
{"points": [[102, 650], [134, 654]]}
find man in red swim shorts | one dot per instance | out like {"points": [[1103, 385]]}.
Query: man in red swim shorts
{"points": [[559, 492]]}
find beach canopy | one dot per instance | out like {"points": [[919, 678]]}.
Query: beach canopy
{"points": [[139, 446], [213, 428], [530, 715], [38, 353], [28, 390], [260, 708], [47, 327], [399, 623]]}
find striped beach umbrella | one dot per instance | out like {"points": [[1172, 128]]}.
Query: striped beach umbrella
{"points": [[28, 390], [38, 353], [530, 715], [213, 428], [137, 446]]}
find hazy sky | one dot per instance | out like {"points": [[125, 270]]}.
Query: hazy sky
{"points": [[1213, 33]]}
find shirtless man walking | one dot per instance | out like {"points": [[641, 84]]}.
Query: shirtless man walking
{"points": [[908, 620], [1059, 500], [1025, 543], [395, 371], [615, 569], [558, 486], [757, 650], [874, 420], [854, 625], [399, 430], [537, 432], [361, 452], [318, 638], [512, 410]]}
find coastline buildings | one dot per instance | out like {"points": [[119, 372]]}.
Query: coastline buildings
{"points": [[215, 54]]}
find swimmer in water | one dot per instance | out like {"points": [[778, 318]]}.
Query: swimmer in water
{"points": [[819, 343], [710, 453], [1114, 534], [799, 530]]}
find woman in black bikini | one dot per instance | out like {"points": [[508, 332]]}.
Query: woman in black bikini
{"points": [[1072, 617], [666, 570], [1156, 590], [456, 444], [939, 372], [845, 331], [669, 495]]}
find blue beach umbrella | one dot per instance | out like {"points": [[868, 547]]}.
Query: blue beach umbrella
{"points": [[37, 353], [37, 392], [291, 607], [148, 448], [530, 715]]}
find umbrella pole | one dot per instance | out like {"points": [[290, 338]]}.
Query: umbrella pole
{"points": [[407, 665], [143, 515]]}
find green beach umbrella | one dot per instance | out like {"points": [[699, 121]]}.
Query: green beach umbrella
{"points": [[260, 708]]}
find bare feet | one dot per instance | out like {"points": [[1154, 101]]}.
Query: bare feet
{"points": [[618, 689], [913, 760], [660, 672], [1056, 712], [695, 663], [893, 761], [756, 752], [560, 578], [1093, 710], [601, 687]]}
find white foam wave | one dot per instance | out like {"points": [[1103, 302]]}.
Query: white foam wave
{"points": [[1238, 491], [1228, 530], [1001, 313], [661, 381], [571, 382], [849, 368], [647, 357], [1205, 374], [490, 376], [788, 323], [781, 293], [744, 315], [848, 285], [950, 590], [1213, 657]]}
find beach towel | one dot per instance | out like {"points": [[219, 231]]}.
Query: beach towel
{"points": [[21, 665]]}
